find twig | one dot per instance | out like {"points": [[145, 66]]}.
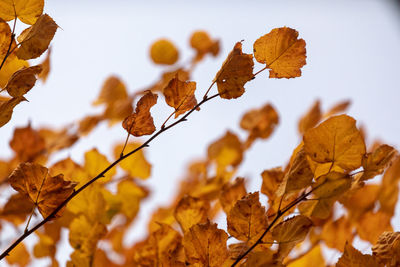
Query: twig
{"points": [[101, 174]]}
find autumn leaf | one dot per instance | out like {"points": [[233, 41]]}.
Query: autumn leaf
{"points": [[135, 165], [247, 220], [22, 81], [271, 180], [7, 108], [312, 258], [336, 233], [203, 44], [27, 11], [372, 224], [95, 162], [190, 211], [311, 118], [164, 51], [235, 72], [291, 232], [113, 90], [331, 185], [36, 39], [45, 191], [387, 248], [17, 208], [205, 245], [282, 52], [43, 75], [27, 143], [141, 122], [376, 162], [260, 123], [354, 258], [336, 141], [19, 256], [232, 192], [180, 95]]}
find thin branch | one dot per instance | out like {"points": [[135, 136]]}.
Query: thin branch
{"points": [[279, 214], [11, 41], [100, 175]]}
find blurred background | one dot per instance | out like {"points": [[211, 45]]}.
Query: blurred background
{"points": [[352, 53]]}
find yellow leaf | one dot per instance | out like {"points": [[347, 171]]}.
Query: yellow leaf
{"points": [[283, 53], [337, 233], [136, 165], [372, 224], [36, 39], [130, 194], [331, 185], [112, 90], [376, 162], [247, 220], [164, 52], [141, 122], [311, 118], [28, 11], [313, 258], [190, 211], [180, 95], [45, 67], [235, 72], [336, 140], [95, 162], [22, 81], [205, 245], [271, 181], [45, 191], [19, 255]]}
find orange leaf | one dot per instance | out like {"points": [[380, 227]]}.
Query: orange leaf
{"points": [[283, 53], [354, 258], [190, 211], [271, 181], [203, 44], [260, 123], [164, 52], [235, 72], [180, 95], [331, 185], [22, 81], [387, 249], [112, 90], [336, 140], [310, 119], [376, 162], [247, 220], [336, 233], [135, 165], [205, 245], [19, 255], [141, 122], [27, 143], [45, 191], [232, 192], [36, 39], [45, 67], [17, 208]]}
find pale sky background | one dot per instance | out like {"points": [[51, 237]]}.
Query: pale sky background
{"points": [[352, 53]]}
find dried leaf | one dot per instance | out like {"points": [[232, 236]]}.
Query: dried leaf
{"points": [[112, 91], [46, 191], [205, 245], [19, 255], [387, 249], [7, 108], [354, 258], [27, 143], [141, 122], [203, 44], [271, 181], [45, 67], [235, 72], [311, 118], [282, 52], [22, 81], [232, 192], [331, 185], [180, 95], [376, 162], [336, 233], [36, 39], [190, 211], [247, 220], [336, 141]]}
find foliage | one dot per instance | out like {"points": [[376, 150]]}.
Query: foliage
{"points": [[332, 164]]}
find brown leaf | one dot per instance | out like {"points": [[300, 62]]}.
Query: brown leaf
{"points": [[205, 245], [7, 108], [311, 118], [283, 53], [27, 143], [47, 192], [354, 258], [22, 81], [230, 193], [235, 72], [376, 162], [387, 249], [180, 95], [45, 67], [112, 90], [271, 181], [36, 39], [141, 122], [17, 208]]}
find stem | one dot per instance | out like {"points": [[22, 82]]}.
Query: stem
{"points": [[277, 217], [101, 174], [9, 46], [258, 72]]}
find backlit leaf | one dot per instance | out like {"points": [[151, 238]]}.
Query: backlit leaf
{"points": [[354, 258], [136, 165], [232, 192], [282, 52], [22, 81], [180, 95], [28, 11], [376, 162], [190, 211]]}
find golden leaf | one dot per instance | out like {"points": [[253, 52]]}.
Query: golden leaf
{"points": [[235, 72], [164, 52], [354, 258], [336, 233], [283, 53], [387, 248], [232, 192], [311, 118], [22, 81], [136, 165], [336, 141], [7, 108], [203, 44], [28, 11], [376, 162], [190, 211]]}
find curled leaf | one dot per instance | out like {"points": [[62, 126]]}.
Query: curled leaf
{"points": [[180, 95], [22, 81], [7, 108]]}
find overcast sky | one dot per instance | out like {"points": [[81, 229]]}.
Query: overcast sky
{"points": [[352, 53]]}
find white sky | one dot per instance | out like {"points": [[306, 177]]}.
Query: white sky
{"points": [[352, 53]]}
